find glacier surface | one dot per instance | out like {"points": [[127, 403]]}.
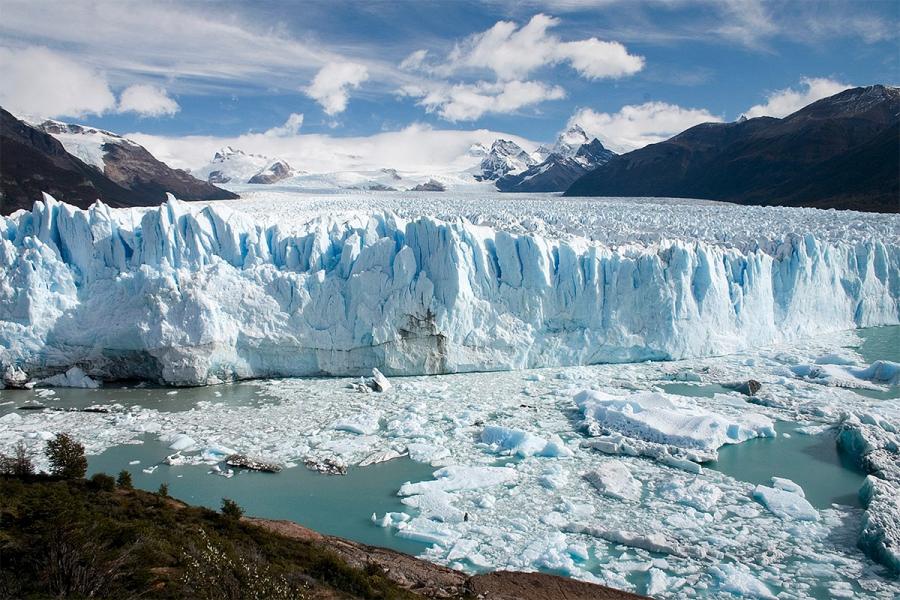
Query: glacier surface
{"points": [[195, 294]]}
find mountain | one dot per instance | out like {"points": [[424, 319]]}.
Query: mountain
{"points": [[232, 165], [572, 156], [85, 165], [839, 152], [505, 157], [273, 173], [570, 141]]}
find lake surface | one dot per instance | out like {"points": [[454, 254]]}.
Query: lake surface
{"points": [[339, 505], [813, 461]]}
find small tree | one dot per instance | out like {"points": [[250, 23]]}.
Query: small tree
{"points": [[163, 490], [124, 480], [19, 464], [66, 457], [231, 510]]}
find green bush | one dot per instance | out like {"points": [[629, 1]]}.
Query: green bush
{"points": [[102, 481], [231, 510], [124, 480], [163, 490], [66, 457]]}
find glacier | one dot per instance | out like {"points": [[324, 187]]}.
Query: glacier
{"points": [[198, 294]]}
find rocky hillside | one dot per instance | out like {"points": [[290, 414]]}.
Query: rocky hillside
{"points": [[112, 541], [840, 152], [82, 165]]}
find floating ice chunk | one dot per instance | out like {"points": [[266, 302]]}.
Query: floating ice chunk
{"points": [[787, 485], [180, 442], [883, 372], [216, 453], [73, 378], [391, 519], [658, 583], [669, 419], [426, 453], [523, 443], [10, 419], [554, 476], [363, 423], [614, 479], [785, 504], [380, 457], [737, 580], [457, 477], [697, 494], [379, 382], [435, 505], [654, 542], [880, 534], [428, 531], [14, 378]]}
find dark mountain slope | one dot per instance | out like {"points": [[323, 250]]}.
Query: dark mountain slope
{"points": [[33, 161], [839, 152]]}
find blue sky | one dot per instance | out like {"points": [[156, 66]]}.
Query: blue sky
{"points": [[634, 71]]}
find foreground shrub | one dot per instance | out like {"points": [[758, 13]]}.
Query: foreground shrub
{"points": [[66, 457]]}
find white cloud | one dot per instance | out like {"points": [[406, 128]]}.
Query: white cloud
{"points": [[513, 52], [784, 102], [291, 126], [43, 83], [147, 101], [467, 102], [416, 148], [332, 83], [635, 126], [414, 61]]}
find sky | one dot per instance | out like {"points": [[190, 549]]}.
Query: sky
{"points": [[330, 80]]}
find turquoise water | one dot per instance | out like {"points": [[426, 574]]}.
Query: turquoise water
{"points": [[813, 461], [339, 505], [155, 397], [880, 343], [705, 390]]}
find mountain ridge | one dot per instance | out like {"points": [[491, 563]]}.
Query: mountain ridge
{"points": [[771, 161], [120, 173]]}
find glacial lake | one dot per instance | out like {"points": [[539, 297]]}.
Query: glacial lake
{"points": [[343, 505]]}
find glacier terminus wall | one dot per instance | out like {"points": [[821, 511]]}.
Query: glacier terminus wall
{"points": [[190, 295]]}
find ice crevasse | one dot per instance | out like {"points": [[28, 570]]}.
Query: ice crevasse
{"points": [[187, 295]]}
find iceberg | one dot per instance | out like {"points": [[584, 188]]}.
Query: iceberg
{"points": [[191, 295], [785, 504], [668, 419]]}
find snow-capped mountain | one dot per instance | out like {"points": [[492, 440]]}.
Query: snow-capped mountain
{"points": [[273, 173], [83, 164], [593, 154], [505, 157], [572, 156], [570, 141], [233, 165], [85, 143]]}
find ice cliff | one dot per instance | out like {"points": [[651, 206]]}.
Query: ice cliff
{"points": [[187, 295]]}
